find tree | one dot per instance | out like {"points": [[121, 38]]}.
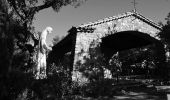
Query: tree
{"points": [[165, 38], [164, 34], [140, 60], [115, 66], [4, 55], [7, 48], [57, 39], [26, 9], [23, 12], [18, 43]]}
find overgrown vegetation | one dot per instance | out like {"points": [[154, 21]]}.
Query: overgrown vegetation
{"points": [[18, 43]]}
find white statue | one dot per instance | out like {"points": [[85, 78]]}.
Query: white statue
{"points": [[43, 48]]}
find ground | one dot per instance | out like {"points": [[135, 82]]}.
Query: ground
{"points": [[134, 90]]}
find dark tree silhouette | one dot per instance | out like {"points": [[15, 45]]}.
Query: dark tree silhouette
{"points": [[18, 48], [165, 37]]}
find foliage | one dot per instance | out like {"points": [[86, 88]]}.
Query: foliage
{"points": [[164, 34], [17, 55], [57, 39], [165, 38], [5, 45], [136, 55], [18, 43], [168, 19], [141, 61], [103, 87], [93, 67], [26, 39], [115, 65], [26, 9], [20, 85], [63, 72]]}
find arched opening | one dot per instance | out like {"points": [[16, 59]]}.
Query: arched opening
{"points": [[128, 40]]}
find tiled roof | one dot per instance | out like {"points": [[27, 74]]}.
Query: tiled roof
{"points": [[127, 14]]}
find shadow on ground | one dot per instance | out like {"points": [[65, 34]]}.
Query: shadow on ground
{"points": [[136, 92]]}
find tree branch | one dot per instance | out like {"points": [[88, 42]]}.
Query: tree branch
{"points": [[46, 5], [15, 8], [31, 11]]}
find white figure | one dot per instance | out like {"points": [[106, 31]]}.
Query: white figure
{"points": [[43, 47]]}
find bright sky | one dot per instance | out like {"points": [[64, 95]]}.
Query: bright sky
{"points": [[92, 10]]}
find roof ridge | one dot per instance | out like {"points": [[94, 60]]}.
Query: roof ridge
{"points": [[148, 20], [107, 19]]}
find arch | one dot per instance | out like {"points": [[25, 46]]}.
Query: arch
{"points": [[131, 39]]}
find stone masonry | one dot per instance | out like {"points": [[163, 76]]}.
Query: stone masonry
{"points": [[130, 21]]}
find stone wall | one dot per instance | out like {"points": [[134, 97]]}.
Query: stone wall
{"points": [[84, 39]]}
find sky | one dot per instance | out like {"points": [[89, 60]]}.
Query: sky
{"points": [[93, 10]]}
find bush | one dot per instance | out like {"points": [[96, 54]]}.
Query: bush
{"points": [[103, 87]]}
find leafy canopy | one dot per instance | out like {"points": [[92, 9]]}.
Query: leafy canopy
{"points": [[26, 9]]}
